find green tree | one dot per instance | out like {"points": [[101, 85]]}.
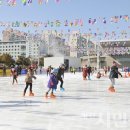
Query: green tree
{"points": [[7, 59], [41, 61], [23, 61]]}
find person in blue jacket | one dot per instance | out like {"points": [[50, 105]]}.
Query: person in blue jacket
{"points": [[52, 83]]}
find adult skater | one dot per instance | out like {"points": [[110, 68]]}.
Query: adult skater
{"points": [[60, 75], [89, 71], [85, 71], [113, 74]]}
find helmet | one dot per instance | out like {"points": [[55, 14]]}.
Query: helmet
{"points": [[54, 71]]}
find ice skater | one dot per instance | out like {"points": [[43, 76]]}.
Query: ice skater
{"points": [[14, 74], [99, 75], [28, 80], [60, 76], [52, 83], [85, 71], [89, 71], [113, 74]]}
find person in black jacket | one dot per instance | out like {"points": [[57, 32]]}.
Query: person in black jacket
{"points": [[60, 73], [89, 70], [113, 74]]}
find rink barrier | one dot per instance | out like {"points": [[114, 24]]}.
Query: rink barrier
{"points": [[8, 72], [23, 71]]}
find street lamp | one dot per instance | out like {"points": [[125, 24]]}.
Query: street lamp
{"points": [[98, 56], [88, 52]]}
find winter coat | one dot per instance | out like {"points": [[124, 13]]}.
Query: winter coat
{"points": [[53, 81], [85, 71], [89, 70], [29, 77], [114, 72], [60, 72]]}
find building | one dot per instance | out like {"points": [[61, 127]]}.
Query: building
{"points": [[13, 35], [109, 51], [79, 45], [118, 49], [54, 42], [15, 49]]}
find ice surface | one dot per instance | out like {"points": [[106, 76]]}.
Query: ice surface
{"points": [[85, 105]]}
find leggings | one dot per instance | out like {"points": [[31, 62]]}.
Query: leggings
{"points": [[28, 84], [15, 79], [61, 80], [112, 81]]}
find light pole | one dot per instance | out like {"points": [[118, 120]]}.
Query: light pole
{"points": [[88, 52], [98, 56]]}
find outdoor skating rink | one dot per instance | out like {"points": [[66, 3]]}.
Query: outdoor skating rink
{"points": [[85, 105]]}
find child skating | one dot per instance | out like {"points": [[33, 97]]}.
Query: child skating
{"points": [[14, 74], [52, 83], [28, 80]]}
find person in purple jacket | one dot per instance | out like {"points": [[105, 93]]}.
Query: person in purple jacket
{"points": [[52, 83]]}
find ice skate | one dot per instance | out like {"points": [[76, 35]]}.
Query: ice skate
{"points": [[46, 95], [52, 95], [62, 89], [31, 94], [24, 94], [111, 89]]}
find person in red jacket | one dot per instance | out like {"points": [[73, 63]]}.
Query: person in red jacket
{"points": [[85, 71]]}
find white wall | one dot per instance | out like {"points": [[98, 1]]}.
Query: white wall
{"points": [[53, 61], [74, 62], [56, 61]]}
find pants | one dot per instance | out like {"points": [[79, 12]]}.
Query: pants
{"points": [[61, 80], [15, 79], [28, 84], [88, 75], [112, 81]]}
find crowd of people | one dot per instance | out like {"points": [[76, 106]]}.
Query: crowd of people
{"points": [[56, 75]]}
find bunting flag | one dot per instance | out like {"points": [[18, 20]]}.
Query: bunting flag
{"points": [[40, 2], [11, 2]]}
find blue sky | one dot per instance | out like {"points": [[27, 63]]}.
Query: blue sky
{"points": [[70, 10]]}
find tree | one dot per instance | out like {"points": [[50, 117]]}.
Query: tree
{"points": [[41, 63], [23, 61], [7, 59]]}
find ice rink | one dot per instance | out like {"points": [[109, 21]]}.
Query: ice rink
{"points": [[85, 105]]}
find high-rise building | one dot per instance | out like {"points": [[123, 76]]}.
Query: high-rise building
{"points": [[15, 49], [13, 35]]}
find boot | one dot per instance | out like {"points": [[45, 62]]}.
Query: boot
{"points": [[46, 95], [111, 89], [62, 89], [31, 94], [52, 95], [23, 94]]}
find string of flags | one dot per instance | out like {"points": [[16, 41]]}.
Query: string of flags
{"points": [[58, 23], [25, 2]]}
